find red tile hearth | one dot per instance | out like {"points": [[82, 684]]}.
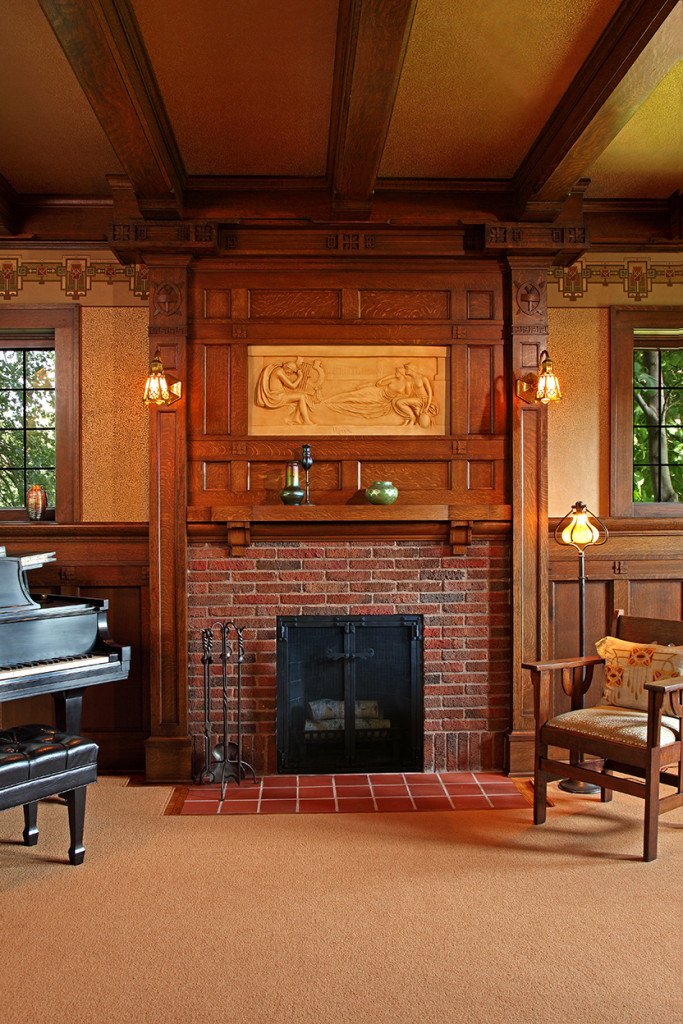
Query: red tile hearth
{"points": [[352, 794]]}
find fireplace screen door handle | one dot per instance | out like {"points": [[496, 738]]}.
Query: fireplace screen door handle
{"points": [[353, 656]]}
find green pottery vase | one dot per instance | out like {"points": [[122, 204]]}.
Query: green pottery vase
{"points": [[291, 493], [382, 492]]}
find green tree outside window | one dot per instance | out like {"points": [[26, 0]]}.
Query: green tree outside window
{"points": [[27, 424], [657, 425]]}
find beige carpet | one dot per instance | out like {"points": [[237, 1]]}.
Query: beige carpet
{"points": [[441, 917]]}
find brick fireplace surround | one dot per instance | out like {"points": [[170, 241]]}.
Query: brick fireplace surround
{"points": [[464, 600]]}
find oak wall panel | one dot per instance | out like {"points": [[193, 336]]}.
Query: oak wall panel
{"points": [[303, 304], [217, 303], [480, 305], [405, 305]]}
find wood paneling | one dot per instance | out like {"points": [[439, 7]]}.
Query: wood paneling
{"points": [[227, 467], [529, 504], [168, 749]]}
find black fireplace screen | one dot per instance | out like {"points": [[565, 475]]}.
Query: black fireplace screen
{"points": [[349, 693]]}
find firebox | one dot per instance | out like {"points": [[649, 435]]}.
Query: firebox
{"points": [[349, 693]]}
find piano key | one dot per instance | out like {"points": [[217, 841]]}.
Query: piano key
{"points": [[54, 665]]}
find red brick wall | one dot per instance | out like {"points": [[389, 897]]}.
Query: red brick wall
{"points": [[464, 601]]}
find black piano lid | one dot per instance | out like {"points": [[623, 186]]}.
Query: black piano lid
{"points": [[14, 593]]}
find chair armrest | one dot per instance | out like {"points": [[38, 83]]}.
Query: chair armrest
{"points": [[557, 663], [675, 693], [574, 683], [665, 687]]}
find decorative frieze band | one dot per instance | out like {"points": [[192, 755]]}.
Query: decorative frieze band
{"points": [[75, 276]]}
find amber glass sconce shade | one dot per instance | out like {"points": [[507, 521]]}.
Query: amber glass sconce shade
{"points": [[543, 387], [160, 387]]}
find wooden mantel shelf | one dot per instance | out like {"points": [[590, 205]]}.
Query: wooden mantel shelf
{"points": [[460, 512], [450, 523]]}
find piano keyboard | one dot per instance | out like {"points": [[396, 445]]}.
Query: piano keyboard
{"points": [[37, 668]]}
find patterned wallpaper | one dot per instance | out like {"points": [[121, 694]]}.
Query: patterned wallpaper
{"points": [[83, 278], [594, 280], [608, 280]]}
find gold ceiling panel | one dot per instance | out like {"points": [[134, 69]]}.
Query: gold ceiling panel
{"points": [[480, 80]]}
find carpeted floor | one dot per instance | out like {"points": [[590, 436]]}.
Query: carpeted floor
{"points": [[351, 794], [455, 917]]}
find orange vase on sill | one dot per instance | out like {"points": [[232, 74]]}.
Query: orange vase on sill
{"points": [[36, 501]]}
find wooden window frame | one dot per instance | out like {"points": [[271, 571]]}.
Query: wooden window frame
{"points": [[65, 323], [624, 320]]}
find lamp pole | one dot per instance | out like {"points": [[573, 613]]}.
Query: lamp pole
{"points": [[578, 529]]}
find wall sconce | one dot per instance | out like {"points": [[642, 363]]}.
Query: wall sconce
{"points": [[160, 387], [543, 387]]}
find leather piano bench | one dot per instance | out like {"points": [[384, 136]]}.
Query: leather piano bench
{"points": [[37, 761]]}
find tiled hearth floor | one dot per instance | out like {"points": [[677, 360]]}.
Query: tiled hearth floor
{"points": [[329, 794]]}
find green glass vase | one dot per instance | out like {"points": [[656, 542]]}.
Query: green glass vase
{"points": [[291, 493], [382, 492]]}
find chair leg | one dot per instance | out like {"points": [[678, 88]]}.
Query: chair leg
{"points": [[651, 815], [76, 805], [30, 828], [540, 786]]}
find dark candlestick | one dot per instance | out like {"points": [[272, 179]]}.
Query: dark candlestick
{"points": [[306, 463]]}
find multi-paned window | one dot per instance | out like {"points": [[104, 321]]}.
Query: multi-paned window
{"points": [[657, 423], [27, 424], [40, 409], [647, 412]]}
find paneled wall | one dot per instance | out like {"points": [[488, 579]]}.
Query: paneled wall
{"points": [[460, 312]]}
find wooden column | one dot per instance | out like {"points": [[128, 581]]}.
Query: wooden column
{"points": [[527, 309], [168, 751]]}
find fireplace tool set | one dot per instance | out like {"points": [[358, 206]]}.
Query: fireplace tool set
{"points": [[224, 760]]}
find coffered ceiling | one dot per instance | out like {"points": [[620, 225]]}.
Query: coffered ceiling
{"points": [[430, 111]]}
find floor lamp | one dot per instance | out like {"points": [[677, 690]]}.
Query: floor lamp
{"points": [[580, 528]]}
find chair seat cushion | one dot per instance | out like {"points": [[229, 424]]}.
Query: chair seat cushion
{"points": [[619, 725]]}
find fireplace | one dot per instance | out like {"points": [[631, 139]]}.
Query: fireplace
{"points": [[462, 602], [349, 693]]}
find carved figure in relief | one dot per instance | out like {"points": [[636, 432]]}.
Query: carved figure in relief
{"points": [[295, 383], [406, 393], [411, 395]]}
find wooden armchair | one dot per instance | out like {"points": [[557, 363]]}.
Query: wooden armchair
{"points": [[639, 738]]}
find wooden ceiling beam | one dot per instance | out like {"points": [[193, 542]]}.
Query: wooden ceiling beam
{"points": [[103, 45], [373, 39], [9, 208], [607, 90]]}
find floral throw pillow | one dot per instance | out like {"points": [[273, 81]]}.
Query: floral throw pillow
{"points": [[628, 666]]}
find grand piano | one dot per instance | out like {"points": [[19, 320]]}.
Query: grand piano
{"points": [[53, 644]]}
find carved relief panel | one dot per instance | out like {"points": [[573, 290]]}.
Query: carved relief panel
{"points": [[351, 390]]}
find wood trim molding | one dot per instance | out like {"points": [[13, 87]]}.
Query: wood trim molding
{"points": [[528, 325], [168, 751], [623, 321], [65, 323]]}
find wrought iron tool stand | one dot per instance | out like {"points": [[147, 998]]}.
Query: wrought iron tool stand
{"points": [[223, 761]]}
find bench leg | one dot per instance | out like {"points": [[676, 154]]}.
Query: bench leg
{"points": [[606, 794], [75, 800], [30, 818]]}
